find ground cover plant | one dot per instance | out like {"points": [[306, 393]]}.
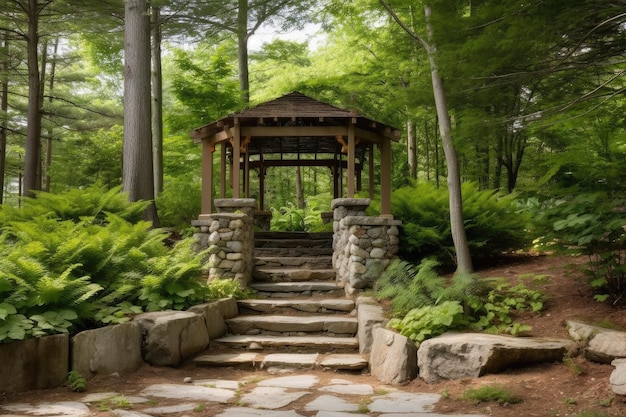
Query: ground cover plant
{"points": [[425, 304], [84, 259]]}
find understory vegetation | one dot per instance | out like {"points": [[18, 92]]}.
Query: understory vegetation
{"points": [[85, 258], [426, 304]]}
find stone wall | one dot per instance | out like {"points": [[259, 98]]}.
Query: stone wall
{"points": [[363, 245], [229, 237]]}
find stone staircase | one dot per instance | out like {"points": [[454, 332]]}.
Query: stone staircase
{"points": [[302, 318]]}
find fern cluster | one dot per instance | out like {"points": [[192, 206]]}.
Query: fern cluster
{"points": [[425, 304], [492, 222], [85, 258]]}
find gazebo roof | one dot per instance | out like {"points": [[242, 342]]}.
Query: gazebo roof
{"points": [[295, 110]]}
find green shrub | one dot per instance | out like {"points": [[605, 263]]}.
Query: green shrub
{"points": [[426, 305], [492, 223], [292, 219], [179, 203], [71, 266], [589, 224]]}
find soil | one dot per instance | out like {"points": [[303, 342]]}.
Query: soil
{"points": [[576, 388]]}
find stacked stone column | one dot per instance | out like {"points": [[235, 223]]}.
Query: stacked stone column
{"points": [[363, 246], [229, 237]]}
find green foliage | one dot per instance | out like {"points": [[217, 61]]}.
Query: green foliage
{"points": [[224, 288], [492, 393], [76, 381], [430, 321], [591, 224], [426, 305], [492, 223], [290, 218], [67, 262]]}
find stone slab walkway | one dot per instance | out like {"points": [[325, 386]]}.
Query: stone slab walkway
{"points": [[299, 395]]}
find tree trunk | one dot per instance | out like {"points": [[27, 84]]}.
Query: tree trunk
{"points": [[242, 50], [411, 147], [157, 101], [4, 107], [33, 114], [137, 174], [53, 63], [463, 258]]}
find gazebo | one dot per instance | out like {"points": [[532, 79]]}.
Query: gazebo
{"points": [[280, 133]]}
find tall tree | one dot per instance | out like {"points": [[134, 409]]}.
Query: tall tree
{"points": [[461, 247], [137, 173]]}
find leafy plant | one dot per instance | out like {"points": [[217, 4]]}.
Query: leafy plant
{"points": [[430, 321], [76, 381], [426, 304], [70, 266], [492, 393], [590, 224], [290, 218], [224, 288], [492, 221]]}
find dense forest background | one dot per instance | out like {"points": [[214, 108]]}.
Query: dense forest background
{"points": [[534, 91]]}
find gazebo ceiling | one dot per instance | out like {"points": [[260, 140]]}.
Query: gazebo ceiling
{"points": [[296, 124]]}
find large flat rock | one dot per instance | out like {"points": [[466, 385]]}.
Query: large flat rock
{"points": [[470, 355]]}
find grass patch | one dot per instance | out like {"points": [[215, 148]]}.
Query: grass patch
{"points": [[492, 393]]}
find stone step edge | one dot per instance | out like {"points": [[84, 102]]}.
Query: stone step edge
{"points": [[298, 286], [312, 306], [336, 324], [266, 341], [331, 361]]}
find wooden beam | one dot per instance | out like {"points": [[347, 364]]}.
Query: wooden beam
{"points": [[237, 160], [302, 162], [278, 131]]}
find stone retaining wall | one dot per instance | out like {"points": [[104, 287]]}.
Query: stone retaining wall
{"points": [[363, 245], [160, 338], [229, 237]]}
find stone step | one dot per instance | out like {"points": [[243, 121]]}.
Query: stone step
{"points": [[302, 288], [290, 274], [260, 242], [293, 325], [260, 342], [325, 305], [333, 361], [308, 262], [293, 251]]}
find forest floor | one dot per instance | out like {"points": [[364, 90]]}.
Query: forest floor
{"points": [[578, 388]]}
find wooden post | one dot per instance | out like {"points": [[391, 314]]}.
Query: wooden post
{"points": [[237, 160], [385, 178], [351, 158], [223, 169], [207, 177], [371, 171]]}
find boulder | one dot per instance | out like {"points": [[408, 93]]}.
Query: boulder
{"points": [[370, 316], [108, 349], [603, 345], [618, 377], [38, 363], [393, 359], [172, 336], [215, 314], [470, 355]]}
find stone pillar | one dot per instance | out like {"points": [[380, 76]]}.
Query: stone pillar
{"points": [[228, 237], [363, 245]]}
